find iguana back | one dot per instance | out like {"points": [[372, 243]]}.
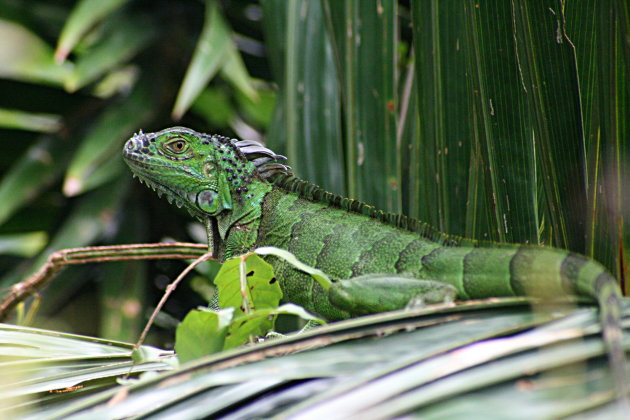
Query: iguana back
{"points": [[346, 244]]}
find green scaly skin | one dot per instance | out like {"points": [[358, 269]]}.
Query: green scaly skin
{"points": [[247, 199]]}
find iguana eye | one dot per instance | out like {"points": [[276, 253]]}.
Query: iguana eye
{"points": [[177, 145]]}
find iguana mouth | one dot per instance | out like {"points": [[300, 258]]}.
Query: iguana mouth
{"points": [[159, 188], [141, 167]]}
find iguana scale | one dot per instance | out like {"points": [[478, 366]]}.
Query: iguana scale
{"points": [[248, 198]]}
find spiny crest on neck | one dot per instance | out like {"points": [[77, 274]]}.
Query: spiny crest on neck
{"points": [[312, 192]]}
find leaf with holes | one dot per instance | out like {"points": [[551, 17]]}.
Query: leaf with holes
{"points": [[260, 288]]}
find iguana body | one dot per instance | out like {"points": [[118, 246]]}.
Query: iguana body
{"points": [[247, 199]]}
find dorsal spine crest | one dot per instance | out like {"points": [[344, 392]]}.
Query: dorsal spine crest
{"points": [[290, 183]]}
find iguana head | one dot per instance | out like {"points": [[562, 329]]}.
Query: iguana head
{"points": [[208, 174]]}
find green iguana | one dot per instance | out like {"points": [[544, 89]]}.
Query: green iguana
{"points": [[247, 198]]}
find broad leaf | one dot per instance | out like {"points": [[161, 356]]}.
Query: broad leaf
{"points": [[247, 283], [212, 50], [202, 332], [85, 15]]}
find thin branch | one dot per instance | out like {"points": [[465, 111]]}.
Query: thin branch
{"points": [[171, 287], [60, 259]]}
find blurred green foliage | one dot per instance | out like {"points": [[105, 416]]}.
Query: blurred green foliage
{"points": [[78, 79]]}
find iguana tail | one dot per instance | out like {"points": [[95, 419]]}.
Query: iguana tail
{"points": [[523, 270], [589, 278], [608, 297]]}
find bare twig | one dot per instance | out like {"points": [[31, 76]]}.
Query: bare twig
{"points": [[60, 259], [171, 287]]}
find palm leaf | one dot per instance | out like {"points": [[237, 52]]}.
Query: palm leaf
{"points": [[39, 366], [432, 362]]}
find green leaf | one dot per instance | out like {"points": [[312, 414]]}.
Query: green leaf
{"points": [[39, 365], [202, 332], [98, 158], [316, 273], [89, 219], [203, 287], [47, 123], [118, 80], [261, 322], [307, 124], [552, 98], [260, 111], [122, 38], [32, 172], [23, 244], [247, 328], [210, 55], [260, 288], [296, 310], [146, 354], [214, 105], [84, 16], [123, 295], [235, 72], [443, 146], [25, 56], [499, 122], [599, 33], [369, 96], [438, 363]]}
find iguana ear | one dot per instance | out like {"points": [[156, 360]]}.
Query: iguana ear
{"points": [[214, 202]]}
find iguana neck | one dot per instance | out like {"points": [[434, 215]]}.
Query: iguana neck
{"points": [[220, 181]]}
